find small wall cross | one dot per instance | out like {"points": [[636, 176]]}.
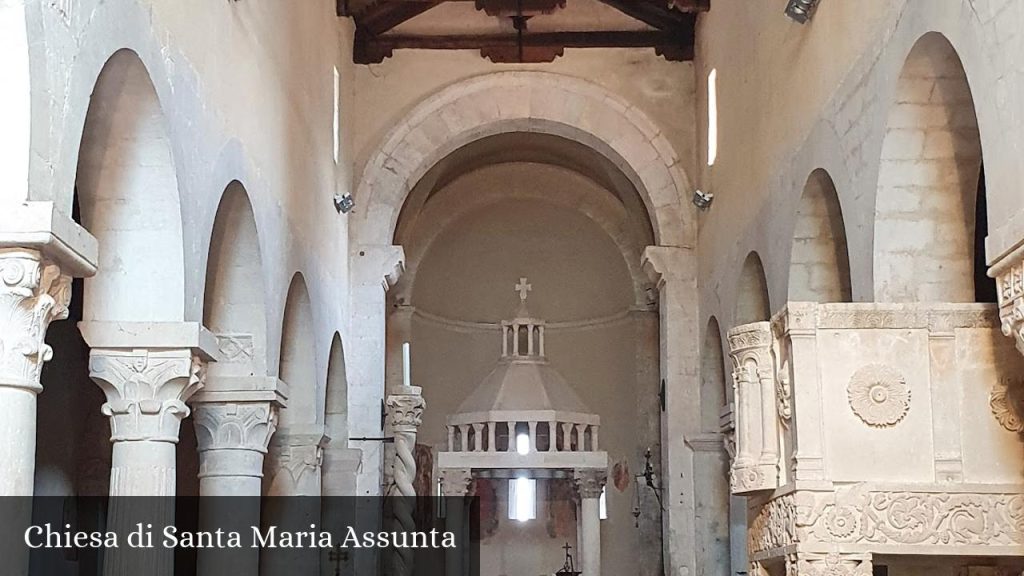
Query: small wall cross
{"points": [[524, 289]]}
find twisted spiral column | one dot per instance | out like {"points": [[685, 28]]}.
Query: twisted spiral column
{"points": [[405, 408]]}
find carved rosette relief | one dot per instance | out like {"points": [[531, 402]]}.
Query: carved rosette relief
{"points": [[1006, 404], [879, 395], [146, 391], [755, 466], [33, 293]]}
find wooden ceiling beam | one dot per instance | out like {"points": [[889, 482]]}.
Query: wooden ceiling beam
{"points": [[384, 16], [656, 13], [677, 45]]}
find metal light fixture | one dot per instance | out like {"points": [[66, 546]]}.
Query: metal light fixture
{"points": [[651, 481], [344, 203], [703, 200], [801, 10]]}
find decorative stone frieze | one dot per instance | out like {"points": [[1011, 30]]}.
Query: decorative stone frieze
{"points": [[878, 394], [755, 466], [146, 390], [831, 564], [886, 518], [33, 293]]}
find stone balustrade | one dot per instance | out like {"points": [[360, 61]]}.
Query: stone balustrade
{"points": [[547, 431]]}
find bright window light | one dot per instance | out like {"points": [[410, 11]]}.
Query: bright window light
{"points": [[337, 114], [604, 503], [712, 117], [522, 499], [523, 444]]}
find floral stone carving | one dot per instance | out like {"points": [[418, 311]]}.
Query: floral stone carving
{"points": [[879, 395], [1006, 407]]}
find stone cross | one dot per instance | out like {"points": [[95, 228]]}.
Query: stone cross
{"points": [[524, 289]]}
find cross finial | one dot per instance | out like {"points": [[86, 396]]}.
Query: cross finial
{"points": [[566, 548], [524, 289]]}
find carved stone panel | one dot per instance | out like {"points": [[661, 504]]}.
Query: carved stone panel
{"points": [[755, 466]]}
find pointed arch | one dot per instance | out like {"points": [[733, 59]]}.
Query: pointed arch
{"points": [[336, 403], [127, 188], [819, 268], [928, 182], [298, 357], [752, 304], [714, 394], [234, 306]]}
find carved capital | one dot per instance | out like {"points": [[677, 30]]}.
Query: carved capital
{"points": [[455, 481], [1010, 289], [832, 564], [405, 410], [590, 483], [299, 457], [235, 426], [33, 293], [146, 390]]}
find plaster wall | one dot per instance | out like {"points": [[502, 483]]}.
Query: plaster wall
{"points": [[581, 285], [246, 93], [797, 98]]}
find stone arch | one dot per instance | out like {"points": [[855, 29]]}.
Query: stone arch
{"points": [[928, 181], [714, 394], [602, 209], [819, 269], [128, 192], [526, 102], [298, 357], [336, 402], [234, 307], [752, 303]]}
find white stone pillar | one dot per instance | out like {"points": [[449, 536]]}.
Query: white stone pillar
{"points": [[33, 293], [40, 251], [146, 392], [674, 271], [589, 485], [233, 439], [455, 487], [405, 407], [295, 461]]}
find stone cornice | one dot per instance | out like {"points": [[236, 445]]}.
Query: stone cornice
{"points": [[39, 225]]}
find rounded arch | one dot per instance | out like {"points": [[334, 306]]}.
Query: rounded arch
{"points": [[752, 304], [524, 102], [336, 392], [928, 181], [234, 306], [714, 394], [298, 357], [127, 188], [819, 268]]}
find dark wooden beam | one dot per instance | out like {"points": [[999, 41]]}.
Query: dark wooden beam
{"points": [[384, 16], [654, 13], [676, 45]]}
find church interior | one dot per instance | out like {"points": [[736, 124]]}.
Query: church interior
{"points": [[670, 287]]}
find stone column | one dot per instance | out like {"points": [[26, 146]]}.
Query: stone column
{"points": [[233, 439], [146, 392], [405, 408], [455, 487], [33, 293], [295, 461], [589, 485], [674, 271]]}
